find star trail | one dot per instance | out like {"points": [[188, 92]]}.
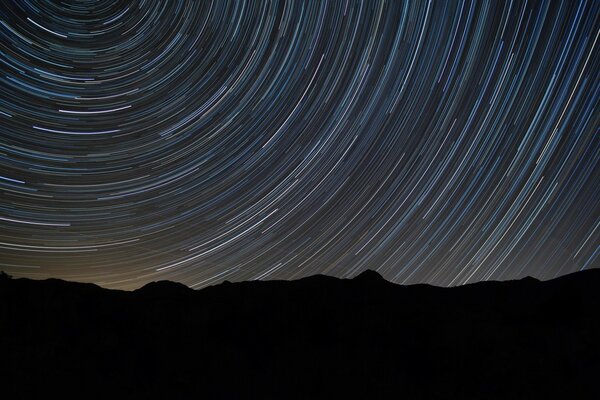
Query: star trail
{"points": [[199, 141]]}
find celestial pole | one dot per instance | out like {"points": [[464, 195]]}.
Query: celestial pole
{"points": [[199, 141]]}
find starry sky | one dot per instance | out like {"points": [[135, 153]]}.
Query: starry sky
{"points": [[442, 142]]}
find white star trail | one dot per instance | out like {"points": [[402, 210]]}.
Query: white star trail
{"points": [[443, 142]]}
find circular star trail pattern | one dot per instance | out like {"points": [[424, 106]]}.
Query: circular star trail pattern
{"points": [[440, 142]]}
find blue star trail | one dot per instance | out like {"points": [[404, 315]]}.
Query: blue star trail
{"points": [[441, 142]]}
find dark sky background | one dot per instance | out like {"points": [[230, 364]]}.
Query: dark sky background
{"points": [[442, 142]]}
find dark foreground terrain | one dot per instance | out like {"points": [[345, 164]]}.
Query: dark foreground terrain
{"points": [[318, 337]]}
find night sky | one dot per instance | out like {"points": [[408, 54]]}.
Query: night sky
{"points": [[441, 142]]}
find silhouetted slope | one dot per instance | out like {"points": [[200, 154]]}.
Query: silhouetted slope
{"points": [[317, 337]]}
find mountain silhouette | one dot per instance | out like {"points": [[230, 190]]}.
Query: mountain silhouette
{"points": [[314, 338]]}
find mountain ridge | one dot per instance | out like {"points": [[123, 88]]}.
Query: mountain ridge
{"points": [[316, 337], [367, 274]]}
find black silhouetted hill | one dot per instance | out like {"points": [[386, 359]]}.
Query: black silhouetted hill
{"points": [[314, 338]]}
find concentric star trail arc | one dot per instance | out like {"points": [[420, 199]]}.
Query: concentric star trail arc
{"points": [[439, 142]]}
